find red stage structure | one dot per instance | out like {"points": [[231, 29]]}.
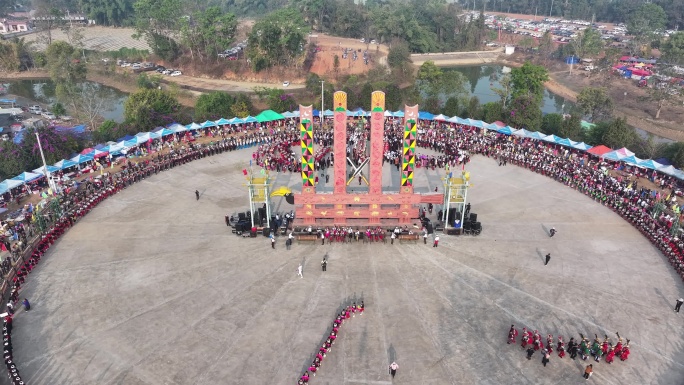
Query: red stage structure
{"points": [[374, 208]]}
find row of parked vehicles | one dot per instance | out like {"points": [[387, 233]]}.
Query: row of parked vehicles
{"points": [[234, 53], [147, 66]]}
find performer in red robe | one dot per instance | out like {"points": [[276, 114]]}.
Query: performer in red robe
{"points": [[525, 338], [625, 352], [512, 334], [610, 356], [561, 347]]}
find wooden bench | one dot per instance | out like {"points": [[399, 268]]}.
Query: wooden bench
{"points": [[313, 238], [413, 238]]}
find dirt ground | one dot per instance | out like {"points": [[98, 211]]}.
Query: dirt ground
{"points": [[331, 46]]}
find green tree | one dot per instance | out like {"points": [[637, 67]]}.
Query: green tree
{"points": [[528, 80], [436, 84], [399, 54], [242, 107], [313, 83], [149, 108], [213, 105], [146, 81], [505, 89], [109, 13], [595, 103], [393, 97], [571, 128], [473, 109], [619, 134], [546, 46], [58, 109], [276, 99], [662, 91], [649, 148], [588, 43], [452, 107], [158, 22], [365, 96], [63, 63], [208, 32], [644, 22], [673, 49], [675, 153], [524, 112], [277, 39], [106, 131], [551, 124], [526, 43], [492, 112]]}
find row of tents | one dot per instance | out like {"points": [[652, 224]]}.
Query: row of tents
{"points": [[122, 145]]}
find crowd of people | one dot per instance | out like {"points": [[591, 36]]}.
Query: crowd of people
{"points": [[342, 318], [654, 211], [532, 342]]}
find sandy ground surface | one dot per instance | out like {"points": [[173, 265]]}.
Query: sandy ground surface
{"points": [[450, 59], [96, 38], [331, 46], [151, 288]]}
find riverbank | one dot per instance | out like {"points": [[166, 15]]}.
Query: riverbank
{"points": [[453, 59]]}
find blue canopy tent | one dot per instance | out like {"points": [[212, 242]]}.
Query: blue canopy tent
{"points": [[552, 138], [26, 177], [64, 163], [18, 137], [130, 143], [125, 138], [633, 160], [315, 112], [664, 161], [566, 142], [424, 115], [582, 146], [208, 124], [398, 114], [222, 122], [8, 184], [475, 123], [288, 114], [650, 163], [191, 126], [328, 113], [508, 130], [40, 170], [250, 119], [82, 158], [536, 135], [236, 120]]}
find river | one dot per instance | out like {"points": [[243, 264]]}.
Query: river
{"points": [[43, 91]]}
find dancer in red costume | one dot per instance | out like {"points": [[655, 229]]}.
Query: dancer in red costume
{"points": [[512, 334], [561, 347], [610, 356], [625, 352], [525, 338]]}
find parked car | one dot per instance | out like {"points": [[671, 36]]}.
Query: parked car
{"points": [[374, 42], [285, 84], [125, 64], [49, 115], [363, 40], [161, 69], [35, 109], [176, 73], [136, 66], [167, 71]]}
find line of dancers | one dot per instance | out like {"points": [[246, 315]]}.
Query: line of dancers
{"points": [[584, 348], [344, 316]]}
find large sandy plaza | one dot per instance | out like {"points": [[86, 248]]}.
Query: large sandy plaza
{"points": [[152, 288]]}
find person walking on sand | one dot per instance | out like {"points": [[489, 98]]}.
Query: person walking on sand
{"points": [[393, 369], [588, 371], [324, 264], [678, 304], [27, 305], [547, 259], [299, 271], [197, 194], [436, 242], [272, 241]]}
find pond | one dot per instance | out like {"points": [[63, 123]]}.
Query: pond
{"points": [[43, 91], [481, 80]]}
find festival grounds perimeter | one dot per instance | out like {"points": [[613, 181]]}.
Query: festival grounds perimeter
{"points": [[151, 287]]}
